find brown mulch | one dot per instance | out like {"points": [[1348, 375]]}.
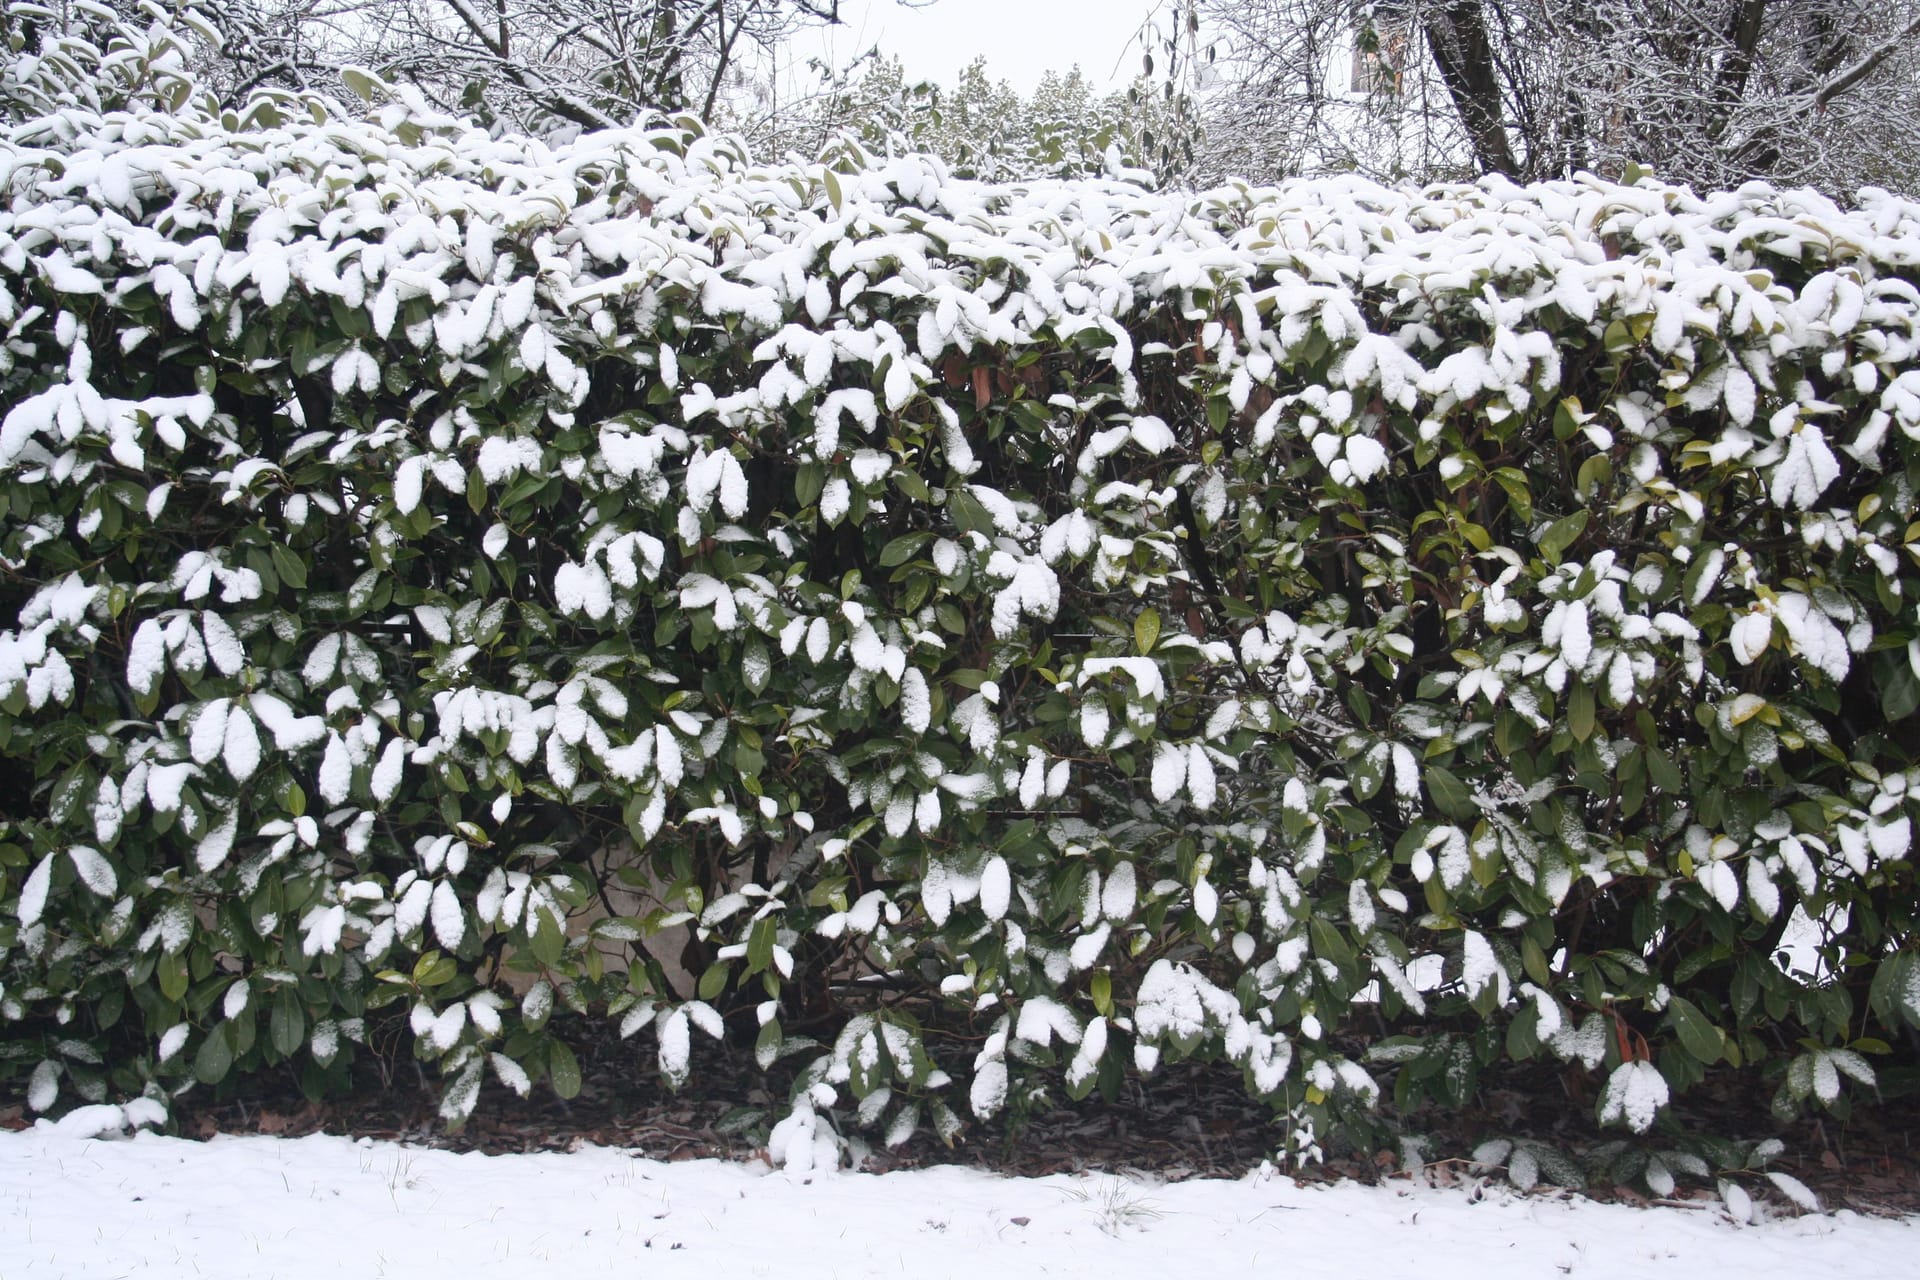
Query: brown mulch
{"points": [[1191, 1122]]}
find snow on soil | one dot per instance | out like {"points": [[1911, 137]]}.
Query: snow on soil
{"points": [[336, 1207]]}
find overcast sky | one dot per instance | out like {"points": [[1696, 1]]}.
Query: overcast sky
{"points": [[1021, 39]]}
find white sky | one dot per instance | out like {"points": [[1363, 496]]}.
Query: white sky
{"points": [[1021, 39]]}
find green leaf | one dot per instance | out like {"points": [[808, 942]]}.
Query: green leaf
{"points": [[909, 483], [760, 946], [808, 481], [171, 970], [1519, 491], [1580, 712], [1366, 776], [756, 665], [290, 569], [902, 549], [1698, 1035], [1664, 773], [766, 1045], [1534, 961], [435, 970], [1899, 690], [1561, 534], [288, 1026], [1594, 473], [564, 1069], [1327, 942], [1523, 1034], [1450, 795], [548, 942], [367, 88], [215, 1059], [968, 514], [1146, 631], [1566, 419], [1887, 994]]}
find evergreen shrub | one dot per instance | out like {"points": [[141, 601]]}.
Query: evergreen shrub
{"points": [[959, 640]]}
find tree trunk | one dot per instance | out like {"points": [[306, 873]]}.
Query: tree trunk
{"points": [[1744, 25], [1457, 33]]}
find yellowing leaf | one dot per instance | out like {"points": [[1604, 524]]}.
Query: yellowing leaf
{"points": [[1146, 630]]}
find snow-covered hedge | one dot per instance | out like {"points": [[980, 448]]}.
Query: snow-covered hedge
{"points": [[957, 640]]}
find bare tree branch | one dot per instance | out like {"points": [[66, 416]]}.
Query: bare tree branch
{"points": [[1864, 67]]}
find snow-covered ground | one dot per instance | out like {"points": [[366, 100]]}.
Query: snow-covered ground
{"points": [[335, 1207]]}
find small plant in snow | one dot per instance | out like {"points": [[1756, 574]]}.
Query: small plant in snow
{"points": [[1116, 1204]]}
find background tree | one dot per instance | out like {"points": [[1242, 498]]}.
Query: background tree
{"points": [[1711, 92], [982, 127], [1294, 86], [537, 65], [591, 63]]}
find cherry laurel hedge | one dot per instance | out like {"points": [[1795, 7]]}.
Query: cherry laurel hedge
{"points": [[960, 641]]}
